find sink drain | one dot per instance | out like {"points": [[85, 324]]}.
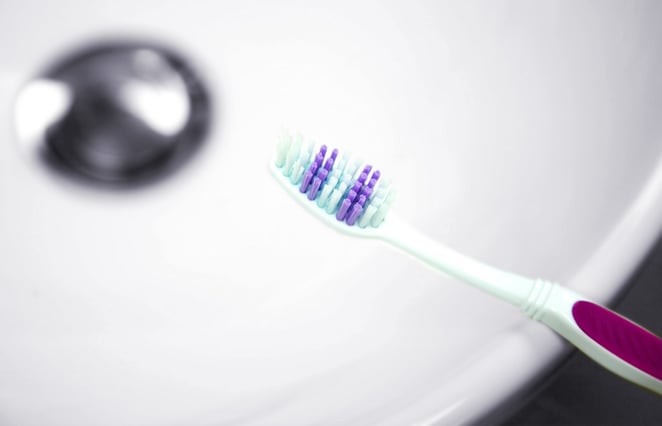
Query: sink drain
{"points": [[115, 112]]}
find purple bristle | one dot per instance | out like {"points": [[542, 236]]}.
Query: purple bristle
{"points": [[352, 205], [354, 214], [348, 200], [365, 194], [307, 177], [312, 170], [329, 164], [346, 204], [351, 196], [356, 187], [373, 179], [322, 174], [314, 187], [356, 209], [332, 159], [355, 199], [342, 211], [367, 189], [317, 183]]}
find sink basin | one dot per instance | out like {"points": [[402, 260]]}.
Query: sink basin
{"points": [[525, 135]]}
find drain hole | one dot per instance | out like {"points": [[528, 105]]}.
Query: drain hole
{"points": [[116, 112]]}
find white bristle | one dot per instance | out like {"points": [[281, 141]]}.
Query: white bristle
{"points": [[301, 163], [353, 167], [347, 178], [341, 164], [374, 203], [347, 170], [379, 216], [334, 199], [382, 188], [292, 155], [382, 191], [282, 148], [329, 186], [367, 215], [297, 173]]}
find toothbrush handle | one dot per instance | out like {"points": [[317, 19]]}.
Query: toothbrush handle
{"points": [[611, 340], [506, 286]]}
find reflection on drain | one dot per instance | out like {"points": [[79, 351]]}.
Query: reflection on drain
{"points": [[122, 113]]}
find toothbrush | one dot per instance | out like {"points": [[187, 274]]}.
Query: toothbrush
{"points": [[354, 198]]}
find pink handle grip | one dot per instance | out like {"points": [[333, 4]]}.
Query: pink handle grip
{"points": [[620, 336]]}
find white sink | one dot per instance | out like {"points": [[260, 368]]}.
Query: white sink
{"points": [[526, 135]]}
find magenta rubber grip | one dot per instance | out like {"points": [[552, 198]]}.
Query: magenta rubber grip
{"points": [[620, 336]]}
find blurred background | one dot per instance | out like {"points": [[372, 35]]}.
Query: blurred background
{"points": [[153, 273]]}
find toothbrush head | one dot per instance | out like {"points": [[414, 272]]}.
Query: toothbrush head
{"points": [[346, 193]]}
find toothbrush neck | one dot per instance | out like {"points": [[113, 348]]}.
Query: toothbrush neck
{"points": [[507, 286]]}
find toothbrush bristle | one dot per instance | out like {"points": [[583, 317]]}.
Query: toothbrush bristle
{"points": [[341, 186]]}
